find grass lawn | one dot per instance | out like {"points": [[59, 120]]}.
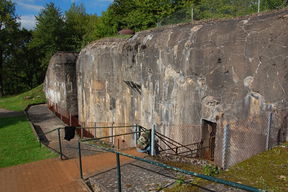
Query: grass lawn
{"points": [[268, 171], [20, 102], [18, 144]]}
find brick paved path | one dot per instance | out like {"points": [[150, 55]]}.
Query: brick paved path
{"points": [[55, 175]]}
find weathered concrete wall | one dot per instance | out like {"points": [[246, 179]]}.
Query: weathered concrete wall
{"points": [[60, 84], [221, 71]]}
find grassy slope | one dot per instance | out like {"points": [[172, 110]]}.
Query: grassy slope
{"points": [[268, 171], [18, 144], [264, 171], [19, 102]]}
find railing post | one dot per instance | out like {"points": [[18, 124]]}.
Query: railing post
{"points": [[80, 160], [152, 151], [81, 131], [60, 145], [225, 146], [268, 130], [95, 130], [118, 172], [138, 129], [135, 135], [112, 133]]}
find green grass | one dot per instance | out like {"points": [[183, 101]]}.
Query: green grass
{"points": [[268, 171], [20, 102], [18, 144], [117, 36]]}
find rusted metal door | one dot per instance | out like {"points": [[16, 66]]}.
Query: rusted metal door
{"points": [[208, 139], [212, 142]]}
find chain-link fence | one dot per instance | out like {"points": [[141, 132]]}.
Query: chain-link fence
{"points": [[244, 139], [211, 9], [225, 144]]}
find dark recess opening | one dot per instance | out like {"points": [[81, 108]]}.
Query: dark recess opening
{"points": [[134, 86], [208, 139]]}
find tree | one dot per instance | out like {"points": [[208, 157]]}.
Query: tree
{"points": [[21, 69], [76, 25], [139, 14], [149, 12], [8, 27], [106, 25], [49, 34], [94, 25]]}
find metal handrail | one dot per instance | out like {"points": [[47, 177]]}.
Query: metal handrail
{"points": [[39, 135], [180, 147], [106, 127], [171, 141], [105, 137], [209, 178], [45, 133]]}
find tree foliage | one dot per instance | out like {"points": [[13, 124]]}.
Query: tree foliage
{"points": [[21, 71], [24, 55], [8, 27], [49, 34], [76, 26]]}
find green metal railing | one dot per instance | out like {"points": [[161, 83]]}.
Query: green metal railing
{"points": [[119, 185], [42, 135], [139, 129]]}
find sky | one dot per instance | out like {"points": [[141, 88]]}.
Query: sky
{"points": [[27, 9]]}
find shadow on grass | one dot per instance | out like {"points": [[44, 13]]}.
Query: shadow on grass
{"points": [[18, 144], [9, 121]]}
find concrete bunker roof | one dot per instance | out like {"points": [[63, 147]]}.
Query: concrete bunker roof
{"points": [[282, 13]]}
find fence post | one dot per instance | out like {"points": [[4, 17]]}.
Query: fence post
{"points": [[81, 131], [268, 130], [60, 145], [225, 146], [112, 133], [138, 129], [192, 14], [80, 160], [118, 172], [135, 134], [152, 151], [94, 129]]}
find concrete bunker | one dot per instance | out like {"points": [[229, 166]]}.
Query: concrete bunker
{"points": [[229, 72], [60, 87]]}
